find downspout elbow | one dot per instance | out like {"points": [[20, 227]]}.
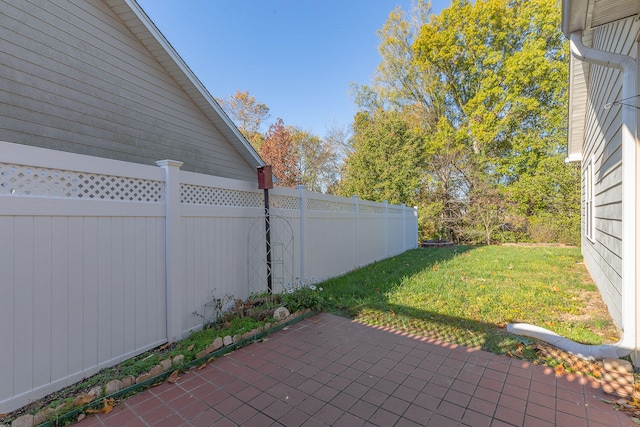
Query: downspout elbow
{"points": [[588, 352], [599, 57]]}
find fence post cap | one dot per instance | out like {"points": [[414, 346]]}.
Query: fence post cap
{"points": [[175, 163]]}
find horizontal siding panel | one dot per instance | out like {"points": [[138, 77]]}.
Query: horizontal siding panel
{"points": [[78, 80], [603, 144]]}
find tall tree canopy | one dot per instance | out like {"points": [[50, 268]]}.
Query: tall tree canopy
{"points": [[386, 163], [486, 84]]}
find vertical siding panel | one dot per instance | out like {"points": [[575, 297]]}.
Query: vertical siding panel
{"points": [[7, 306], [210, 259], [187, 262], [140, 310], [116, 296], [151, 267], [161, 302], [76, 295], [90, 285], [129, 285], [42, 248], [104, 334], [60, 297], [23, 303], [199, 256]]}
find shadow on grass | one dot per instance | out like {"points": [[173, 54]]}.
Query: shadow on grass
{"points": [[364, 296]]}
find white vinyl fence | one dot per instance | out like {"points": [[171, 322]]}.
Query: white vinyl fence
{"points": [[101, 260]]}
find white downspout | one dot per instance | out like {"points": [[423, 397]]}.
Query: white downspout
{"points": [[627, 343]]}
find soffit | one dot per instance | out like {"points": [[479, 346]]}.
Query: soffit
{"points": [[584, 15]]}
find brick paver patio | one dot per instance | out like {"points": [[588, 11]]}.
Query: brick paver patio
{"points": [[328, 370]]}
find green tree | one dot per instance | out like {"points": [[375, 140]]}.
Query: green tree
{"points": [[486, 84], [386, 162], [500, 66]]}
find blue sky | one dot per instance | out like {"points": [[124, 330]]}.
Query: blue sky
{"points": [[296, 56]]}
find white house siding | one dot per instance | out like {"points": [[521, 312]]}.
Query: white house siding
{"points": [[74, 78], [603, 144]]}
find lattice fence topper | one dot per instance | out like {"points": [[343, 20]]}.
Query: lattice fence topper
{"points": [[44, 182], [325, 205], [371, 209], [284, 202], [214, 196]]}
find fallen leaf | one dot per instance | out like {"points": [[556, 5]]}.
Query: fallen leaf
{"points": [[559, 369], [173, 377], [106, 407], [190, 347], [635, 420], [204, 365], [164, 346]]}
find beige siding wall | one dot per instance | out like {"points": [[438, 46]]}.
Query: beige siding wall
{"points": [[73, 78], [603, 145]]}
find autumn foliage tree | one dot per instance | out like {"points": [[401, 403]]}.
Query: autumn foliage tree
{"points": [[279, 151], [248, 114]]}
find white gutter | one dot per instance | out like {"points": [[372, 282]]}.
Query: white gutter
{"points": [[627, 343]]}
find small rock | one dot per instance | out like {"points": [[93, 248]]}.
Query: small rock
{"points": [[178, 360], [247, 335], [142, 377], [43, 416], [227, 340], [211, 348], [236, 338], [218, 343], [128, 381], [96, 391], [201, 354], [156, 370], [281, 313], [23, 421], [166, 364], [113, 386], [83, 399], [267, 326], [81, 417]]}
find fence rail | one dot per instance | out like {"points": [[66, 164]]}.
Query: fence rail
{"points": [[102, 260]]}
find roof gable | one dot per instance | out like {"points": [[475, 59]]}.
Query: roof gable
{"points": [[134, 17]]}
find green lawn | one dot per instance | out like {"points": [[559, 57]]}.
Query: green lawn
{"points": [[467, 294]]}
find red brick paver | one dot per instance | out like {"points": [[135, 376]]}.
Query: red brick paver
{"points": [[327, 370]]}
